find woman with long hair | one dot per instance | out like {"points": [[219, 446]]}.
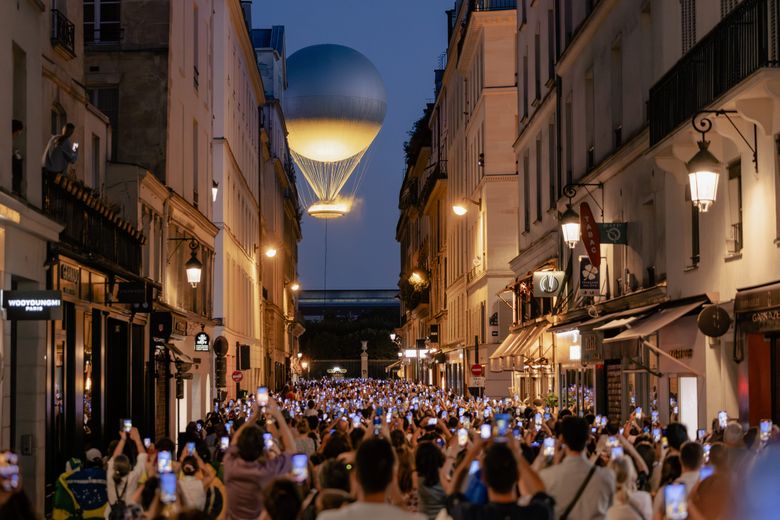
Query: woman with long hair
{"points": [[629, 502]]}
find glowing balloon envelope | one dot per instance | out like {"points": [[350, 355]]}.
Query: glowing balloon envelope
{"points": [[334, 107]]}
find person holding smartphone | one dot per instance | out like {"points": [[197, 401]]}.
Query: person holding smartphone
{"points": [[196, 478], [122, 477], [247, 469], [691, 459], [60, 151]]}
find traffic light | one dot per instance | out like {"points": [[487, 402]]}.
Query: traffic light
{"points": [[220, 372]]}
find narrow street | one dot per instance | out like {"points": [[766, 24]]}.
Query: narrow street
{"points": [[443, 259]]}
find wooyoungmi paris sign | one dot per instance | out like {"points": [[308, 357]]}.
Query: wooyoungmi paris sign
{"points": [[32, 305]]}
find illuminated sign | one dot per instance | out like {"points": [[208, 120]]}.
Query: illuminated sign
{"points": [[32, 305], [202, 342]]}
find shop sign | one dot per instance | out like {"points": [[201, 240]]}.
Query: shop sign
{"points": [[548, 284], [70, 278], [614, 233], [202, 342], [131, 292], [591, 346], [32, 305], [681, 353], [591, 237], [179, 326], [478, 381], [590, 277], [761, 321]]}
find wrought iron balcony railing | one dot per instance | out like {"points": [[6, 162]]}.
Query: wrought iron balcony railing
{"points": [[91, 227], [63, 33], [743, 42]]}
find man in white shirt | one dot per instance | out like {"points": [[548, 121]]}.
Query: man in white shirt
{"points": [[563, 481], [375, 469], [691, 459]]}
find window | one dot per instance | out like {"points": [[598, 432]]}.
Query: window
{"points": [[195, 163], [107, 101], [195, 48], [694, 234], [550, 45], [525, 84], [553, 176], [58, 118], [101, 21], [538, 65], [526, 194], [735, 207], [95, 181], [538, 178], [688, 18], [616, 97]]}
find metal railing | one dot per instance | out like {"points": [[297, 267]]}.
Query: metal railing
{"points": [[63, 32], [743, 42], [430, 177], [90, 226], [494, 5]]}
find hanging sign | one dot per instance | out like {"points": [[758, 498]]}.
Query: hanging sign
{"points": [[589, 230], [548, 284], [202, 342], [32, 305], [590, 278], [614, 233]]}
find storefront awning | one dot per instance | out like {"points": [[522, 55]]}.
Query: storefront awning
{"points": [[655, 322], [391, 366], [616, 319], [505, 345], [530, 338]]}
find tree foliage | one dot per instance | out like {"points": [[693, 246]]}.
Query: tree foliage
{"points": [[339, 337], [419, 137]]}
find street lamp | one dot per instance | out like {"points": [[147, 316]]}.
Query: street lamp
{"points": [[393, 335], [461, 206], [570, 219], [704, 168], [270, 251], [570, 227], [300, 355], [193, 266]]}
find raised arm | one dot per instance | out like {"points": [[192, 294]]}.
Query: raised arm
{"points": [[285, 434]]}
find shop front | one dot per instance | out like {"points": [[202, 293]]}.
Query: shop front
{"points": [[528, 355], [95, 362], [454, 375], [758, 340]]}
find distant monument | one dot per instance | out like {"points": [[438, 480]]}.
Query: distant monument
{"points": [[364, 360]]}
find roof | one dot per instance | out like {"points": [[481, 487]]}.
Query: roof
{"points": [[269, 38]]}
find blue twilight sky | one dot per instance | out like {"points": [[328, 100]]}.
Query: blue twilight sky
{"points": [[404, 39]]}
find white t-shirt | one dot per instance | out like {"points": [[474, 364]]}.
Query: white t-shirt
{"points": [[366, 510], [193, 492], [128, 484]]}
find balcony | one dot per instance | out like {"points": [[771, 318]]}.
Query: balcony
{"points": [[63, 34], [92, 229], [493, 5], [743, 42], [432, 175]]}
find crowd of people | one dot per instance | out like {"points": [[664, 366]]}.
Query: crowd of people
{"points": [[370, 449]]}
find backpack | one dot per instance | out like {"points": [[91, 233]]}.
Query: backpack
{"points": [[118, 509]]}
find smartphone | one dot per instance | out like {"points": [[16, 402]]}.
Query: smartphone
{"points": [[597, 421], [548, 447], [656, 434], [409, 418], [502, 424], [706, 447], [638, 413], [168, 488], [764, 429], [706, 471], [517, 434], [379, 410], [224, 442], [300, 467], [616, 452], [676, 498], [191, 448], [164, 462], [355, 421], [444, 414], [486, 413], [75, 146], [431, 421], [604, 421], [484, 431], [654, 416], [127, 425], [463, 437], [388, 418], [262, 396], [612, 442], [229, 426], [664, 442], [547, 416], [700, 434], [147, 442], [538, 421], [723, 419]]}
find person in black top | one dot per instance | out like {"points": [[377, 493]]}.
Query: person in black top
{"points": [[503, 469]]}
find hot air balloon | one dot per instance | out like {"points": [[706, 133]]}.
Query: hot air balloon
{"points": [[334, 107]]}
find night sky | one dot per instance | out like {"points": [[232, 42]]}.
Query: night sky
{"points": [[404, 39]]}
